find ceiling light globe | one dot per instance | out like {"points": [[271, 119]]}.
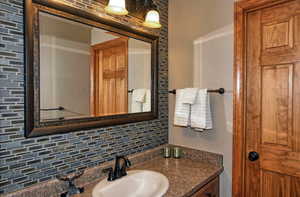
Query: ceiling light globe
{"points": [[116, 7], [152, 19]]}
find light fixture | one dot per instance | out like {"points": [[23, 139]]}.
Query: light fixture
{"points": [[152, 19], [152, 16], [117, 7]]}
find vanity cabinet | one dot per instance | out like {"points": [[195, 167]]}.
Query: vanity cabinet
{"points": [[211, 189]]}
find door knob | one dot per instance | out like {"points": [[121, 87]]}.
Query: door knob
{"points": [[253, 156]]}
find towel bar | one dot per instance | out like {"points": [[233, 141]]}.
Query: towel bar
{"points": [[54, 109], [220, 91]]}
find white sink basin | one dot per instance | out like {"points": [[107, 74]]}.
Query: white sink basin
{"points": [[137, 183]]}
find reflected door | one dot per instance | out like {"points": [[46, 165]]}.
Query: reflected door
{"points": [[273, 101], [109, 73]]}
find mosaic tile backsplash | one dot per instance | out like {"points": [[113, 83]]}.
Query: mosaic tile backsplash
{"points": [[24, 162]]}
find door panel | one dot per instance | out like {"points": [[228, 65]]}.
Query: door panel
{"points": [[110, 77], [277, 105], [280, 38], [295, 187], [273, 101], [122, 80], [271, 179]]}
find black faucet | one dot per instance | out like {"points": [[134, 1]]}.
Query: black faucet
{"points": [[119, 170]]}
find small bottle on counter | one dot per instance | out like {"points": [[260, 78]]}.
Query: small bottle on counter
{"points": [[177, 152], [167, 152]]}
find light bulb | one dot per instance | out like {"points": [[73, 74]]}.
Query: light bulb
{"points": [[117, 7], [152, 19]]}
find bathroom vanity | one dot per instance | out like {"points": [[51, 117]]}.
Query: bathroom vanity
{"points": [[187, 177], [196, 174]]}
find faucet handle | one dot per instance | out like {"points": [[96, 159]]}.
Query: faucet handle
{"points": [[70, 178], [77, 175], [110, 173]]}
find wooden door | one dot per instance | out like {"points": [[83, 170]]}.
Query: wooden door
{"points": [[109, 73], [271, 160]]}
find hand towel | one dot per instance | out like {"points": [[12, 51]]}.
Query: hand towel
{"points": [[147, 103], [189, 95], [139, 95], [201, 117], [137, 100], [182, 110]]}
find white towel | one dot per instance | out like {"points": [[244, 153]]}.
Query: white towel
{"points": [[147, 103], [189, 95], [137, 100], [182, 111], [201, 117], [138, 95]]}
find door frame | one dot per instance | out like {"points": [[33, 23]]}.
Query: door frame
{"points": [[241, 9]]}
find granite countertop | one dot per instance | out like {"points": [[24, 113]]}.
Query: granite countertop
{"points": [[185, 175]]}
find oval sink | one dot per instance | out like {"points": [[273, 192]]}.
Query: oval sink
{"points": [[137, 183]]}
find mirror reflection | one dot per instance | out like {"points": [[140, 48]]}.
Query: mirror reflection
{"points": [[90, 72]]}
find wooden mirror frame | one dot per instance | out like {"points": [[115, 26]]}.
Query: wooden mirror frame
{"points": [[33, 126]]}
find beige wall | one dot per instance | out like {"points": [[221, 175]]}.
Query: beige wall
{"points": [[139, 64], [201, 55], [65, 67], [139, 67], [99, 35]]}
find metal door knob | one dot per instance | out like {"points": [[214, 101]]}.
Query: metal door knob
{"points": [[253, 156]]}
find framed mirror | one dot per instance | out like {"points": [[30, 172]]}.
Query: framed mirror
{"points": [[84, 72]]}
